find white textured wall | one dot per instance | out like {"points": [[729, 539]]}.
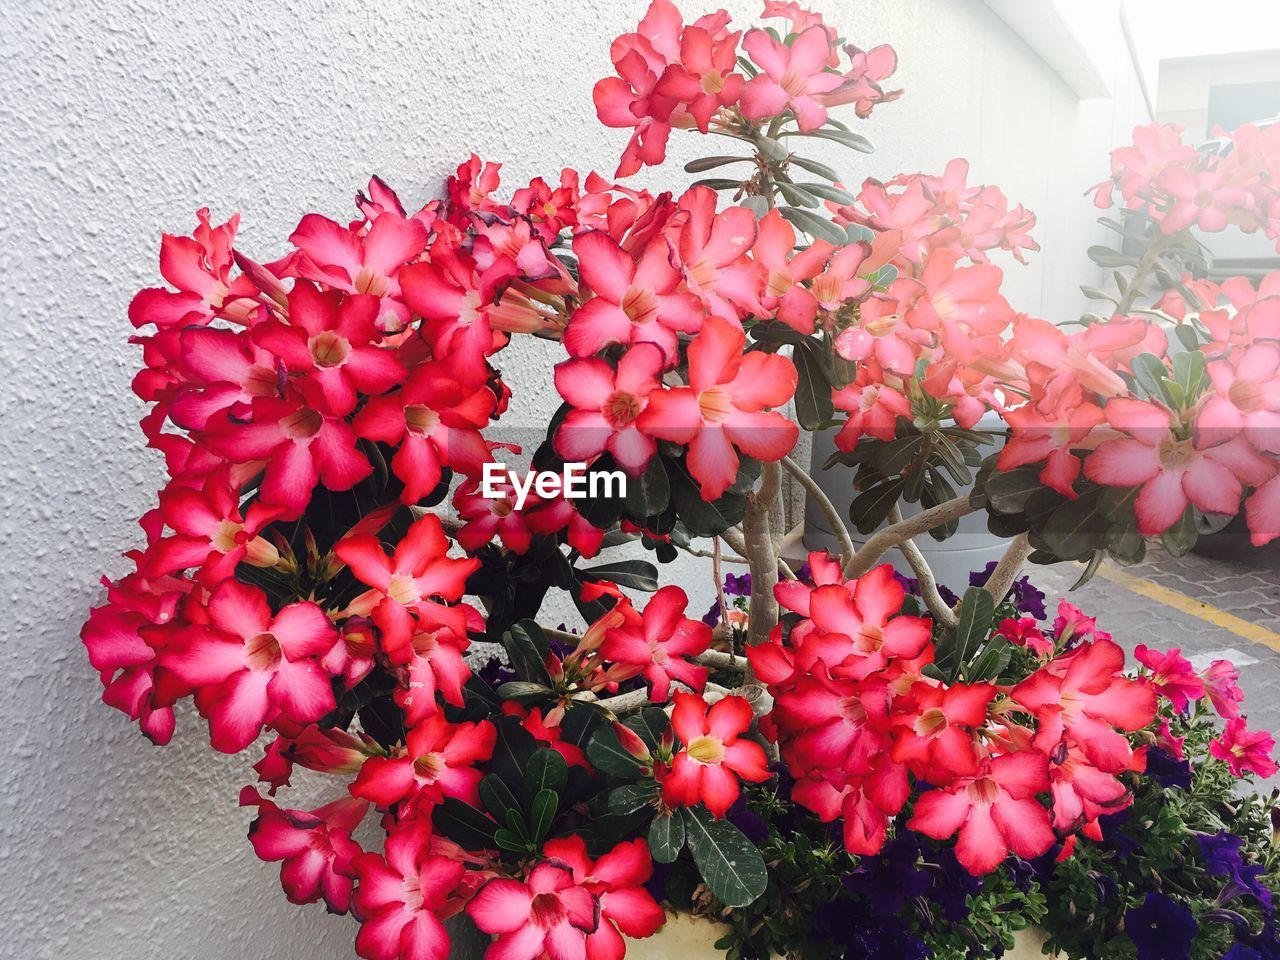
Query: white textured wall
{"points": [[117, 119]]}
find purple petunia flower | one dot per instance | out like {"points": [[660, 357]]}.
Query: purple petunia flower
{"points": [[1160, 928]]}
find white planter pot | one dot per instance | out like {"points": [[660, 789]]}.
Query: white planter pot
{"points": [[971, 548], [685, 937]]}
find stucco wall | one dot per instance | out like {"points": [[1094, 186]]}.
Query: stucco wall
{"points": [[119, 117]]}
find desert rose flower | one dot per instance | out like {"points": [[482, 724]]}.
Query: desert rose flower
{"points": [[606, 404], [658, 646], [249, 666], [438, 761], [794, 78], [713, 758], [550, 915]]}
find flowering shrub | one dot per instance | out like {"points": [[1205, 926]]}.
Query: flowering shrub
{"points": [[329, 544]]}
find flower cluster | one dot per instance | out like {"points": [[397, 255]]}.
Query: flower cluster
{"points": [[860, 717]]}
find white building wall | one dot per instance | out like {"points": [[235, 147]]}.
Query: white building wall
{"points": [[119, 118]]}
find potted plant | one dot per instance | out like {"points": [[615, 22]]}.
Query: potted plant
{"points": [[847, 763]]}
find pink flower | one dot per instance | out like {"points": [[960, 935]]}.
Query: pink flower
{"points": [[550, 915], [658, 646], [616, 880], [315, 847], [1202, 198], [400, 898], [712, 248], [333, 342], [1244, 750], [995, 811], [1171, 471], [633, 300], [1050, 439], [606, 405], [439, 760], [1246, 399], [935, 734], [703, 79], [405, 582], [1222, 683], [200, 268], [1262, 513], [1171, 674], [1023, 632], [249, 666], [721, 411], [301, 446], [1082, 694], [794, 78], [436, 420], [1082, 793], [434, 663], [1172, 744], [486, 519], [713, 758], [862, 619], [364, 261]]}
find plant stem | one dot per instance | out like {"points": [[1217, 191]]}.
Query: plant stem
{"points": [[1006, 571], [826, 506], [938, 607], [1149, 258], [885, 540], [759, 550]]}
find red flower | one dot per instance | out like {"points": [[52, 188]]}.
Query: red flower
{"points": [[1082, 694], [1172, 674], [995, 811], [405, 582], [794, 78], [316, 847], [633, 300], [722, 411], [249, 666], [658, 645], [1244, 750], [439, 761], [713, 758], [550, 914], [616, 880], [606, 405], [936, 731], [400, 898], [547, 733]]}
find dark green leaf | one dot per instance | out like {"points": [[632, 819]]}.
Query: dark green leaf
{"points": [[827, 192], [634, 574], [1008, 491], [512, 841], [869, 508], [718, 183], [523, 691], [813, 166], [813, 390], [772, 149], [666, 837], [973, 626], [541, 813], [632, 797], [546, 770], [814, 225], [1149, 371], [844, 137], [797, 196], [703, 164], [607, 755], [497, 796], [1182, 536], [649, 493], [729, 863], [650, 724], [464, 824], [527, 649]]}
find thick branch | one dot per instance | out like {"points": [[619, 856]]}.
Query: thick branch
{"points": [[734, 538], [721, 661], [938, 607], [885, 540], [826, 506], [1006, 571], [758, 540]]}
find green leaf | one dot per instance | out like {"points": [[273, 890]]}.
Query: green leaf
{"points": [[541, 813], [703, 518], [813, 389], [719, 183], [797, 196], [607, 755], [989, 663], [666, 837], [973, 626], [632, 797], [497, 796], [703, 164], [826, 192], [1150, 372], [650, 493], [527, 649], [1182, 536], [895, 456], [1188, 373], [634, 574], [772, 149], [512, 841], [523, 691], [869, 508], [815, 225], [650, 724], [843, 137], [1106, 257], [1076, 528], [730, 864], [546, 770], [814, 167], [1007, 491], [464, 824]]}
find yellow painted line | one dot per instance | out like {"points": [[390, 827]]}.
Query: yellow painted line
{"points": [[1191, 607]]}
